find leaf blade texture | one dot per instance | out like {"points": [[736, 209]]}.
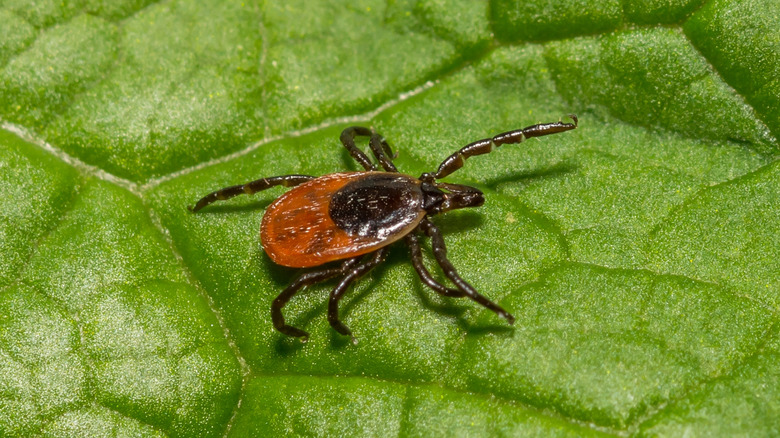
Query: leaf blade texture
{"points": [[638, 253]]}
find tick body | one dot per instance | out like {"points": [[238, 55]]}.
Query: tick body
{"points": [[350, 218], [340, 215]]}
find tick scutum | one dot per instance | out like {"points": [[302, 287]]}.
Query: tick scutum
{"points": [[379, 205]]}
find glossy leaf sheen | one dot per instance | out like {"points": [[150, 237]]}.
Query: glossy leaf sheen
{"points": [[639, 253]]}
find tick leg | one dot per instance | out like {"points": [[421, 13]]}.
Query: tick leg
{"points": [[250, 188], [382, 152], [479, 147], [440, 253], [348, 140], [338, 292], [422, 271], [303, 280]]}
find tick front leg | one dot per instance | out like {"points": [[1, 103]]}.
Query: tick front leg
{"points": [[480, 147], [440, 253], [250, 188], [338, 292], [303, 280]]}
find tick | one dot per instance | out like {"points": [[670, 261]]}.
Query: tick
{"points": [[351, 218]]}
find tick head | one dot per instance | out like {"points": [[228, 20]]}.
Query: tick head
{"points": [[453, 197], [461, 196]]}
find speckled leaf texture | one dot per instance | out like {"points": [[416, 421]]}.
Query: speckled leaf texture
{"points": [[639, 253]]}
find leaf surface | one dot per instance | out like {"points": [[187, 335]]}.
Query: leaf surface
{"points": [[639, 253]]}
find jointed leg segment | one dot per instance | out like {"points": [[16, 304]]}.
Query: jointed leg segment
{"points": [[348, 140], [378, 144], [456, 160], [352, 270], [250, 188], [440, 253], [422, 271], [303, 280], [338, 292], [382, 152]]}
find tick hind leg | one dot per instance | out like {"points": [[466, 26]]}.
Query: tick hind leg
{"points": [[338, 292], [303, 280], [440, 253], [250, 188]]}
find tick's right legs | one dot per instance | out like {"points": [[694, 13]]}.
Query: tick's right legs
{"points": [[250, 188], [304, 280], [338, 292], [351, 269]]}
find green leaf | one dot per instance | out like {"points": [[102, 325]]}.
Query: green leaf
{"points": [[639, 253]]}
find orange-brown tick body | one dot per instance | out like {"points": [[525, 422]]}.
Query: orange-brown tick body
{"points": [[340, 215], [352, 217]]}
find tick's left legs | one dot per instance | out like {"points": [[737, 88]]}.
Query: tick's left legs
{"points": [[382, 152], [338, 292], [348, 140], [440, 253], [379, 147], [250, 188]]}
